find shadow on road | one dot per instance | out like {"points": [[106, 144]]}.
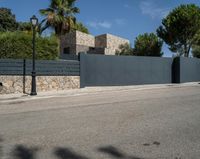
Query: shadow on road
{"points": [[65, 153], [1, 147], [25, 152], [115, 153], [112, 151], [22, 152]]}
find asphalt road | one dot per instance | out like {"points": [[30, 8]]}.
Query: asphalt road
{"points": [[126, 124]]}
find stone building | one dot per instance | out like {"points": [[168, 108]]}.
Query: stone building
{"points": [[76, 41]]}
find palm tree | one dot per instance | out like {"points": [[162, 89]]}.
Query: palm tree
{"points": [[60, 15]]}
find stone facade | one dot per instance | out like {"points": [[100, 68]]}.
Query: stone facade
{"points": [[76, 42], [101, 41], [110, 43], [113, 43], [84, 39], [68, 41], [20, 84]]}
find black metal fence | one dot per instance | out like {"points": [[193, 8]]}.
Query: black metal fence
{"points": [[69, 57], [43, 67]]}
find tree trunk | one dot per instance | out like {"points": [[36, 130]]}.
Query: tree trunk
{"points": [[185, 51], [188, 51], [59, 45]]}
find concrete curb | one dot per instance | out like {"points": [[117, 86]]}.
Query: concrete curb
{"points": [[88, 90]]}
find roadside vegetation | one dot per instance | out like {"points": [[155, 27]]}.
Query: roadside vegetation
{"points": [[144, 45], [18, 45], [180, 30], [16, 37]]}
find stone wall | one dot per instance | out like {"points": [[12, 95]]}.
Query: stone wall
{"points": [[20, 84], [110, 42], [77, 42], [68, 40], [101, 41], [82, 48], [81, 42], [113, 43], [85, 39]]}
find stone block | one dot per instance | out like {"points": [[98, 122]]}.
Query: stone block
{"points": [[14, 84]]}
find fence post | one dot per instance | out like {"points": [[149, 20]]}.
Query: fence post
{"points": [[82, 57], [24, 76]]}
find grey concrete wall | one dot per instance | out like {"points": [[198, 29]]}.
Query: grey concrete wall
{"points": [[100, 70], [189, 69]]}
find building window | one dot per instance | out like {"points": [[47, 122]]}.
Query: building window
{"points": [[66, 50]]}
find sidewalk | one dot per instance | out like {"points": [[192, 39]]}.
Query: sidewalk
{"points": [[88, 90]]}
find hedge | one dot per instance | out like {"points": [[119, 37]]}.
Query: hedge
{"points": [[18, 45]]}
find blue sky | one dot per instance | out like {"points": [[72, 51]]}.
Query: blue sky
{"points": [[125, 18]]}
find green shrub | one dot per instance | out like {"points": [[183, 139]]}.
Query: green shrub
{"points": [[196, 51], [18, 45]]}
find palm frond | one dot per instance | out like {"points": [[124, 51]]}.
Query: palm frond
{"points": [[46, 11]]}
